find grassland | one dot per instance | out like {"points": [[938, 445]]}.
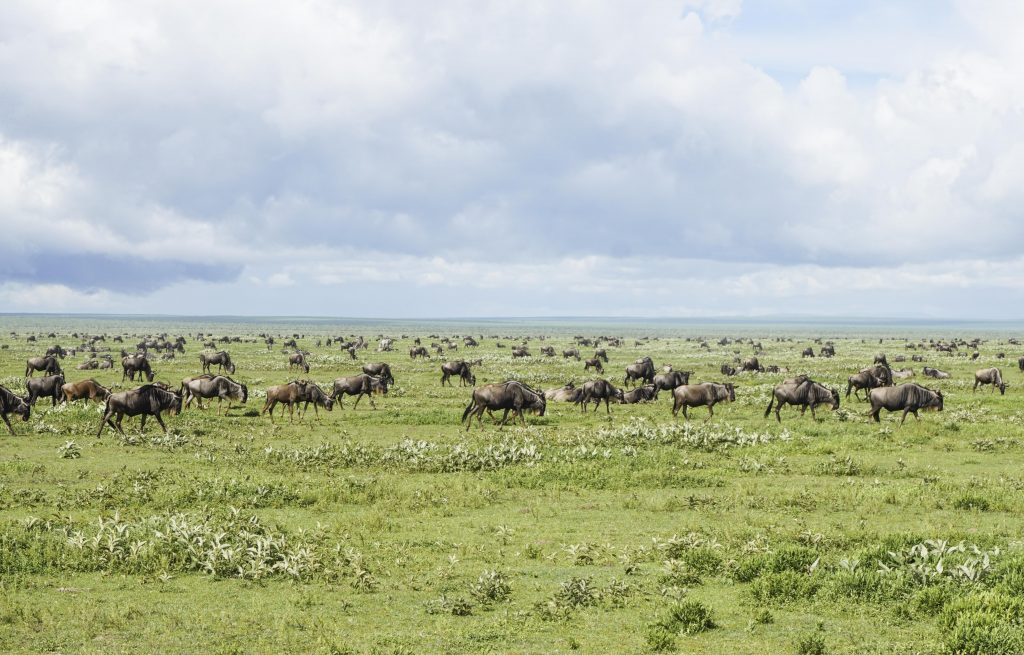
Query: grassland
{"points": [[396, 531]]}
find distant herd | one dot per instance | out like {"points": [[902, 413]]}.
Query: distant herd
{"points": [[514, 398]]}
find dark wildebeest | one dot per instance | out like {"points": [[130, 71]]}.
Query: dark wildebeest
{"points": [[804, 392], [221, 358], [296, 359], [909, 397], [521, 351], [48, 365], [751, 364], [89, 365], [596, 391], [568, 393], [671, 380], [419, 351], [571, 352], [881, 372], [511, 396], [288, 394], [728, 370], [880, 359], [358, 386], [991, 376], [85, 389], [643, 394], [12, 404], [1020, 363], [930, 372], [133, 364], [220, 387], [314, 394], [867, 380], [549, 351], [601, 354], [48, 387], [459, 368], [593, 364], [696, 395], [641, 369], [381, 370], [828, 350], [808, 352], [56, 350], [147, 400]]}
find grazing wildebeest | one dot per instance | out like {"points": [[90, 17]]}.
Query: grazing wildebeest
{"points": [[751, 364], [828, 350], [459, 368], [601, 354], [298, 359], [728, 370], [568, 393], [598, 390], [881, 372], [56, 350], [643, 394], [991, 376], [358, 386], [571, 352], [133, 364], [903, 373], [85, 389], [521, 351], [594, 363], [89, 365], [12, 404], [106, 363], [419, 351], [808, 352], [48, 387], [314, 394], [549, 351], [909, 397], [671, 380], [220, 387], [147, 400], [381, 370], [804, 392], [641, 369], [221, 358], [288, 394], [930, 372], [48, 365], [696, 395], [880, 359], [511, 396]]}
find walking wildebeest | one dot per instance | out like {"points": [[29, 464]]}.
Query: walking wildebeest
{"points": [[48, 387], [641, 369], [594, 363], [598, 390], [909, 397], [571, 352], [85, 389], [288, 394], [314, 394], [297, 359], [867, 379], [671, 380], [568, 393], [147, 400], [220, 387], [12, 404], [804, 392], [358, 386], [511, 396], [459, 368], [419, 351], [696, 395], [644, 394], [221, 358], [991, 376], [930, 372], [133, 364], [48, 365], [381, 370]]}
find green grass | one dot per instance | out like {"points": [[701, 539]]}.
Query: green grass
{"points": [[397, 531]]}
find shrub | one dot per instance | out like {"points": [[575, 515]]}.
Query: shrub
{"points": [[784, 587]]}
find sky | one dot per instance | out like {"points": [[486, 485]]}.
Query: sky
{"points": [[684, 158]]}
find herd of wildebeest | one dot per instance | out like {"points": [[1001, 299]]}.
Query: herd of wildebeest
{"points": [[514, 398]]}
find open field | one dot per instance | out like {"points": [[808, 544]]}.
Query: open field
{"points": [[396, 531]]}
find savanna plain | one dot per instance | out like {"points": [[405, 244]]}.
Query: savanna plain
{"points": [[396, 530]]}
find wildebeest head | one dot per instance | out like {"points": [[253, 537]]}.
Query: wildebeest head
{"points": [[1002, 388], [23, 409], [732, 391], [245, 392], [835, 397], [937, 404]]}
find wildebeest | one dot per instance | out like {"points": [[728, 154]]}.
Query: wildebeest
{"points": [[297, 359], [728, 370], [89, 365], [696, 395], [828, 350], [596, 391], [867, 379], [641, 369], [930, 372], [419, 351], [47, 364], [358, 386], [220, 387], [571, 352], [288, 394], [147, 400], [594, 363], [85, 389], [549, 351], [808, 352], [643, 394], [459, 368], [903, 373], [568, 393], [133, 364], [671, 380], [10, 403], [312, 393], [47, 387], [804, 392], [751, 364], [909, 397], [1020, 363], [511, 396], [221, 358], [601, 354], [991, 376], [385, 345], [380, 369], [56, 350], [880, 359]]}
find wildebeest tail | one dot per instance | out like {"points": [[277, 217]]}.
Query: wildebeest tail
{"points": [[469, 408], [771, 402]]}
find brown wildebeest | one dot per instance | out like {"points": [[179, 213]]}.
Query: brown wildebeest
{"points": [[909, 397], [866, 380], [601, 354], [147, 400], [48, 365], [85, 389], [598, 390], [288, 394], [671, 380], [383, 371], [571, 352], [697, 395], [643, 394], [48, 387], [12, 404], [220, 387], [296, 359], [314, 394], [568, 393], [133, 364], [930, 372], [511, 396], [641, 369], [221, 358], [593, 364], [991, 376], [804, 392], [358, 386], [459, 368], [419, 351]]}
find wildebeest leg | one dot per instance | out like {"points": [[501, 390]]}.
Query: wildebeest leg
{"points": [[711, 413], [607, 405], [504, 417], [120, 417], [9, 428], [813, 415], [358, 398], [369, 397], [161, 422], [904, 417], [778, 406], [142, 424]]}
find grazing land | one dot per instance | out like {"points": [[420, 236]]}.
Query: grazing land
{"points": [[397, 531]]}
